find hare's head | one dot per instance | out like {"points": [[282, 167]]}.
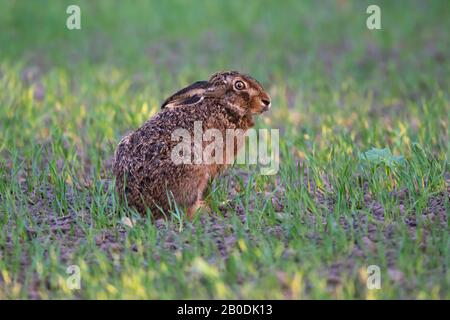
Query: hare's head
{"points": [[240, 92]]}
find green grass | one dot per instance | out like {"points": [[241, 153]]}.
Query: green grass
{"points": [[311, 231]]}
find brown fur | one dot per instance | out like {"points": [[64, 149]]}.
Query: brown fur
{"points": [[146, 176]]}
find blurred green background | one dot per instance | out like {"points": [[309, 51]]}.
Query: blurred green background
{"points": [[295, 40]]}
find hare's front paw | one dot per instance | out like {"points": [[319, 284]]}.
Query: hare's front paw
{"points": [[199, 206]]}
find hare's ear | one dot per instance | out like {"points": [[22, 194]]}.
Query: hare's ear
{"points": [[190, 94]]}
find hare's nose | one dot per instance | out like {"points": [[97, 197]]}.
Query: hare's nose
{"points": [[266, 102]]}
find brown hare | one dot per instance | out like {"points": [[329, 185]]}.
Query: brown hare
{"points": [[147, 177]]}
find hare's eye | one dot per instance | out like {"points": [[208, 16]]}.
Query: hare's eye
{"points": [[239, 85]]}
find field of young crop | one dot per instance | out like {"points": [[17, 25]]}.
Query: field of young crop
{"points": [[360, 205]]}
